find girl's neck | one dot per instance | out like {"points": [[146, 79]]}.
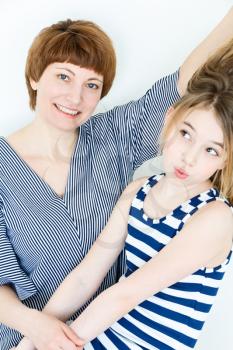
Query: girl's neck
{"points": [[172, 190], [168, 194]]}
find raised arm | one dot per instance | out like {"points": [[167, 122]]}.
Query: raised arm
{"points": [[204, 241], [217, 37], [139, 123]]}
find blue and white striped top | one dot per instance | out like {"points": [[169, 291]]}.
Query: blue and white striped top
{"points": [[42, 236], [172, 318]]}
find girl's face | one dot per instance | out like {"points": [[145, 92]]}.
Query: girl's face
{"points": [[67, 95], [194, 149]]}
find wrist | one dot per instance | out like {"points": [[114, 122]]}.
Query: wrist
{"points": [[28, 321], [74, 327], [26, 342]]}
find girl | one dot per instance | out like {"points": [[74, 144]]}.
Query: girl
{"points": [[177, 232]]}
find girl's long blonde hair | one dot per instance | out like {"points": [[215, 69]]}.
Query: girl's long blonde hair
{"points": [[211, 87]]}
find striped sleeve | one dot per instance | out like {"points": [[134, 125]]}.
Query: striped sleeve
{"points": [[139, 123], [147, 126], [10, 271]]}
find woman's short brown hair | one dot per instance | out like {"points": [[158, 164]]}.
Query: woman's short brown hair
{"points": [[78, 42]]}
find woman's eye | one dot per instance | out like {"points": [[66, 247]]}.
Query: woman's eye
{"points": [[185, 134], [212, 151], [93, 86], [63, 77]]}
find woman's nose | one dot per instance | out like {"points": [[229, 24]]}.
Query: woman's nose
{"points": [[75, 94]]}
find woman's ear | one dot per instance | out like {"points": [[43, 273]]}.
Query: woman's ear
{"points": [[33, 84]]}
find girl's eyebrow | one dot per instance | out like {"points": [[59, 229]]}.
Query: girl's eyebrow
{"points": [[218, 144], [190, 125], [215, 142]]}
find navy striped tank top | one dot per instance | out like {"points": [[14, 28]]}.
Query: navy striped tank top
{"points": [[173, 318]]}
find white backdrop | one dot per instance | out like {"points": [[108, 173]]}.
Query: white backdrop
{"points": [[151, 38]]}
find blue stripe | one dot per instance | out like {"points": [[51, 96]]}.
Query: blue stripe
{"points": [[137, 252], [116, 340], [195, 287], [192, 303], [141, 334], [181, 337], [145, 238], [172, 315]]}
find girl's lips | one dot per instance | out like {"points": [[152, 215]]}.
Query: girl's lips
{"points": [[181, 174]]}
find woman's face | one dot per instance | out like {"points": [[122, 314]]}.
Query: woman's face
{"points": [[67, 95]]}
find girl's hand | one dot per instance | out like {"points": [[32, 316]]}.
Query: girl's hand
{"points": [[48, 333]]}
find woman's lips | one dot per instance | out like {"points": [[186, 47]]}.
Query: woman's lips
{"points": [[68, 112]]}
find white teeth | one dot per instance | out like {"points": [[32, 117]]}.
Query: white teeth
{"points": [[66, 110]]}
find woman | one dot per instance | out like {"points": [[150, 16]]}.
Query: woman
{"points": [[176, 257], [62, 174]]}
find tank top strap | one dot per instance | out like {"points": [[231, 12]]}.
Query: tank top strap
{"points": [[144, 189]]}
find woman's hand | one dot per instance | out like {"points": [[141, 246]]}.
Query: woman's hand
{"points": [[25, 344], [49, 333]]}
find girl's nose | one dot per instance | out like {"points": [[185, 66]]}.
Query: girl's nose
{"points": [[190, 156]]}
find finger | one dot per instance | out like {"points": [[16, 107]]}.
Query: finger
{"points": [[68, 345], [73, 336]]}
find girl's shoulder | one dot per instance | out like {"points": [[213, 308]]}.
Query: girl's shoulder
{"points": [[218, 209], [216, 216], [131, 190], [135, 186]]}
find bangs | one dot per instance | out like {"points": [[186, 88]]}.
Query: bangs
{"points": [[76, 49]]}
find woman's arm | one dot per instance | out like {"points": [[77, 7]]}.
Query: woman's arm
{"points": [[139, 123], [85, 279], [217, 38], [13, 313], [27, 321], [205, 240]]}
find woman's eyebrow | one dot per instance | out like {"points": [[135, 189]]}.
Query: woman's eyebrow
{"points": [[70, 71], [67, 69]]}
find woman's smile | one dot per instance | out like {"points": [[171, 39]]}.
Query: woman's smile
{"points": [[68, 112]]}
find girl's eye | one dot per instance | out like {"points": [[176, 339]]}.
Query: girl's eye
{"points": [[185, 134], [93, 86], [63, 77], [212, 151]]}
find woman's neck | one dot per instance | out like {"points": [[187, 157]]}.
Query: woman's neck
{"points": [[48, 141]]}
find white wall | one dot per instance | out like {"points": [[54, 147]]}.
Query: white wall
{"points": [[151, 37]]}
